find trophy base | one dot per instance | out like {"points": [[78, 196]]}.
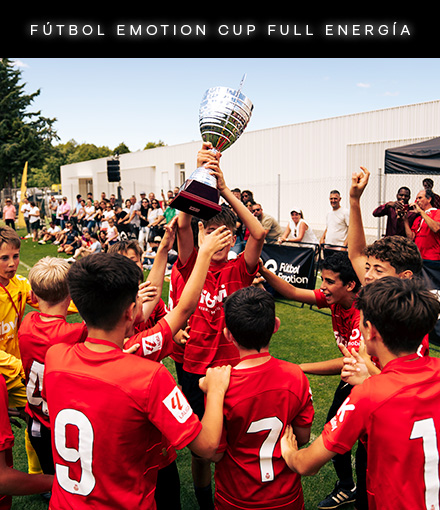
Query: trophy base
{"points": [[197, 199]]}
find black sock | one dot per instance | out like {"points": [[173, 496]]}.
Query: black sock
{"points": [[204, 497]]}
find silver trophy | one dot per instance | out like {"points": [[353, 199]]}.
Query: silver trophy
{"points": [[223, 116]]}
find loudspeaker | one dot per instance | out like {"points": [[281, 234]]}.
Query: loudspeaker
{"points": [[113, 173]]}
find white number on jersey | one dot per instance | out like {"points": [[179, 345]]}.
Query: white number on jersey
{"points": [[36, 383], [274, 425], [84, 453], [425, 429]]}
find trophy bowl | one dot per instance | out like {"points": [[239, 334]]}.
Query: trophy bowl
{"points": [[223, 116]]}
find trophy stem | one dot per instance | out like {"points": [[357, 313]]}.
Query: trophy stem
{"points": [[203, 174]]}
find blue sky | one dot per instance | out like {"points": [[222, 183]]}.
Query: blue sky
{"points": [[106, 101]]}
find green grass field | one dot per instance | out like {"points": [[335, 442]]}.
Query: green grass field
{"points": [[305, 335]]}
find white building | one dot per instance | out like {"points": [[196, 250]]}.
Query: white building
{"points": [[294, 165]]}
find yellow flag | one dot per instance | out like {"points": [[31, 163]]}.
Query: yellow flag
{"points": [[21, 222]]}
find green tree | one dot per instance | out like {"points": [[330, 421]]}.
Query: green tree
{"points": [[153, 145], [121, 149], [24, 135]]}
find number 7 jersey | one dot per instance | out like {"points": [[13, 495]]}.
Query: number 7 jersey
{"points": [[259, 403]]}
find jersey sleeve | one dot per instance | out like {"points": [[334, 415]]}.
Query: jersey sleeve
{"points": [[156, 343], [170, 412], [305, 416], [321, 302], [186, 269], [349, 423]]}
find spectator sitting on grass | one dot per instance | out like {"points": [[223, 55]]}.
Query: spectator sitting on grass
{"points": [[50, 234], [88, 246], [71, 241]]}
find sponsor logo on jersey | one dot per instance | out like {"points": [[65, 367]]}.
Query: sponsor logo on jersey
{"points": [[340, 415], [178, 406], [8, 327], [152, 343], [211, 301]]}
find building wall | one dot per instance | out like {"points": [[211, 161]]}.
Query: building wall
{"points": [[295, 165]]}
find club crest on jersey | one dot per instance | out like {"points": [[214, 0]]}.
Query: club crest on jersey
{"points": [[178, 406], [152, 343]]}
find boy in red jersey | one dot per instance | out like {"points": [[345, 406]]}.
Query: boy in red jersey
{"points": [[264, 395], [38, 331], [108, 409], [207, 346], [396, 412], [339, 287]]}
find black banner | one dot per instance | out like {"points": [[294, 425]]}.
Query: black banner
{"points": [[294, 264]]}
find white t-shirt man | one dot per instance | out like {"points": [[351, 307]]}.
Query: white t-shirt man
{"points": [[337, 226], [337, 222]]}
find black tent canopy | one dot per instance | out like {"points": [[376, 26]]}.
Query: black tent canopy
{"points": [[416, 158]]}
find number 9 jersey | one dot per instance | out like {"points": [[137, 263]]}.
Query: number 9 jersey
{"points": [[108, 411]]}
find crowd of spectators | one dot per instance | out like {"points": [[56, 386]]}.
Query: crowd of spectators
{"points": [[104, 221]]}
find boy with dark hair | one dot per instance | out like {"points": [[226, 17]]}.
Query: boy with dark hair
{"points": [[114, 407], [338, 291], [207, 346], [388, 256], [395, 413], [265, 394]]}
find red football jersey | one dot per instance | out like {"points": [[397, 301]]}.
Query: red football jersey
{"points": [[397, 415], [6, 438], [158, 313], [345, 322], [427, 241], [346, 326], [108, 413], [207, 345], [156, 343], [259, 403], [35, 336]]}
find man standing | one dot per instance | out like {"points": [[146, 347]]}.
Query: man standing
{"points": [[429, 184], [336, 222], [135, 219], [9, 213], [395, 212], [24, 209], [425, 231], [270, 224]]}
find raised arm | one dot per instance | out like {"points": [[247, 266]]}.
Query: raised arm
{"points": [[286, 289], [157, 273], [257, 233], [190, 296], [356, 241]]}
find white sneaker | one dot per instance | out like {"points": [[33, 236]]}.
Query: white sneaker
{"points": [[28, 236], [71, 259]]}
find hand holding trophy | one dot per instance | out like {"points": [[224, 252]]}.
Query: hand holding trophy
{"points": [[223, 116]]}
